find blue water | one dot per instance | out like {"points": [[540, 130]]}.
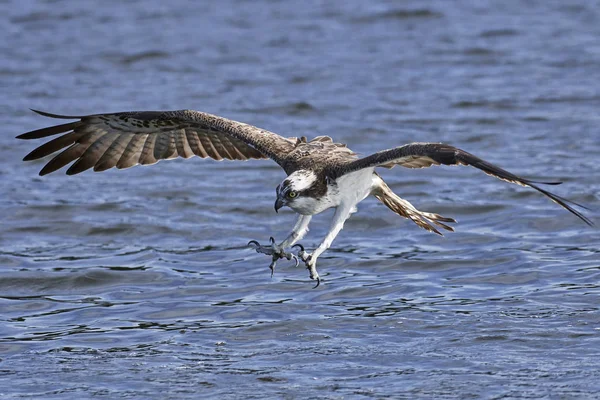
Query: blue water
{"points": [[137, 283]]}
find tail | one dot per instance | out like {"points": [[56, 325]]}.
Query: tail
{"points": [[404, 209]]}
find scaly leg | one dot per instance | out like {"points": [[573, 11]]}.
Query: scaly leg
{"points": [[337, 223], [299, 231], [278, 251]]}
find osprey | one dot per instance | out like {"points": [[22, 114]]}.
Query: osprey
{"points": [[321, 174]]}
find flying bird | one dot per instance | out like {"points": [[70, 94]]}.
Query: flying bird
{"points": [[321, 174]]}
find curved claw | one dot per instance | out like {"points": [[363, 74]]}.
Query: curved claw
{"points": [[318, 282], [277, 253], [299, 246]]}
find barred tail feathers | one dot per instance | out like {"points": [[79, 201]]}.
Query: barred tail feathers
{"points": [[425, 220]]}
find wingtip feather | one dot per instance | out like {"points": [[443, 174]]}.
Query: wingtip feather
{"points": [[46, 170], [49, 131], [50, 115]]}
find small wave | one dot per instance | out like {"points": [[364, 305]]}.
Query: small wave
{"points": [[128, 59], [297, 108], [493, 104], [478, 51], [498, 32], [42, 17], [535, 118], [399, 15], [566, 99]]}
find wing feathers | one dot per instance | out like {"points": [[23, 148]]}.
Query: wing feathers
{"points": [[209, 148], [233, 150], [52, 130], [561, 201], [131, 154], [112, 155], [147, 154], [57, 116], [195, 144], [65, 157], [92, 154], [183, 148], [54, 145], [421, 155], [73, 152], [125, 139], [164, 146], [221, 148]]}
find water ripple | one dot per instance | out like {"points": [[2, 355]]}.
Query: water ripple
{"points": [[139, 284]]}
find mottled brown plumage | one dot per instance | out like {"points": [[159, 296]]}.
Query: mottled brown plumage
{"points": [[322, 174], [122, 140], [318, 155], [422, 155]]}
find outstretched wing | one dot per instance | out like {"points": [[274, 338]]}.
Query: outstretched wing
{"points": [[422, 155], [125, 139]]}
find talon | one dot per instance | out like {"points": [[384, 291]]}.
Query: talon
{"points": [[312, 268], [318, 282], [299, 246], [276, 252], [303, 255]]}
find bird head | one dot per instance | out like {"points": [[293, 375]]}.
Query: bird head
{"points": [[292, 192]]}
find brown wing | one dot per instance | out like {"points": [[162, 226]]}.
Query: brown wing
{"points": [[422, 155], [125, 139]]}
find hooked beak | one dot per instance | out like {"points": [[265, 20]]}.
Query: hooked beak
{"points": [[278, 204]]}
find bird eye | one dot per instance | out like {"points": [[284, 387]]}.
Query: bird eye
{"points": [[292, 194]]}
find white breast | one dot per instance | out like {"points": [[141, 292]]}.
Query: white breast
{"points": [[354, 187], [348, 190]]}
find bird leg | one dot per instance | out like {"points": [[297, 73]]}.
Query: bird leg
{"points": [[311, 265], [277, 251], [341, 215]]}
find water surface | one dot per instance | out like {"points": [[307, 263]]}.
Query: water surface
{"points": [[138, 284]]}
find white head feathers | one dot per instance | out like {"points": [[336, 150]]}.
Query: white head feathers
{"points": [[301, 180]]}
